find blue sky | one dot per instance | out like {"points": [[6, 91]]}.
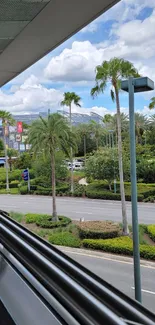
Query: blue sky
{"points": [[71, 67]]}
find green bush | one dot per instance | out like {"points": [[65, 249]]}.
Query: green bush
{"points": [[120, 245], [64, 239], [45, 221], [14, 184], [31, 217], [151, 231], [23, 190], [94, 234], [43, 190]]}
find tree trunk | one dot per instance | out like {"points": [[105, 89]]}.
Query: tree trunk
{"points": [[54, 213], [120, 158], [72, 175], [85, 149]]}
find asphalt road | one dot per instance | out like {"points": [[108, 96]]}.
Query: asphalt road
{"points": [[76, 208], [119, 273]]}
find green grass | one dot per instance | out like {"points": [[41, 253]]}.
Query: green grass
{"points": [[64, 238], [17, 216], [11, 191]]}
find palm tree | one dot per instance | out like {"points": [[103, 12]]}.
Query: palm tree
{"points": [[48, 136], [141, 124], [152, 103], [97, 131], [70, 98], [11, 153], [113, 71], [7, 119]]}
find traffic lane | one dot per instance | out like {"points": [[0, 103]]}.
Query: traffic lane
{"points": [[77, 208], [120, 275]]}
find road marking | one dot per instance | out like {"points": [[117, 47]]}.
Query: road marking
{"points": [[145, 291], [83, 212], [104, 258]]}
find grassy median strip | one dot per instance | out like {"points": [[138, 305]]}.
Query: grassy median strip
{"points": [[98, 235]]}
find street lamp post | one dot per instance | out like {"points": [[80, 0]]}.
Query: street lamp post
{"points": [[135, 85]]}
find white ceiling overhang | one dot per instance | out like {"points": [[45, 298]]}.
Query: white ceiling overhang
{"points": [[29, 29]]}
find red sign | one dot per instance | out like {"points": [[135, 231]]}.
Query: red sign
{"points": [[19, 127]]}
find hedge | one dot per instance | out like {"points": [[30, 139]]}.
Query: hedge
{"points": [[92, 234], [105, 195], [23, 190], [120, 245], [64, 239], [151, 231], [45, 221]]}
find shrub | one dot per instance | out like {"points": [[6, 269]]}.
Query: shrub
{"points": [[14, 184], [23, 190], [107, 195], [151, 231], [31, 217], [120, 245], [64, 239], [98, 230], [45, 221]]}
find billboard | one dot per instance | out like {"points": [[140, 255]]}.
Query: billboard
{"points": [[12, 137], [12, 129], [18, 138], [28, 146], [22, 147], [15, 145], [24, 138], [19, 127]]}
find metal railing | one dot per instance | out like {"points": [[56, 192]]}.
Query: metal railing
{"points": [[77, 295]]}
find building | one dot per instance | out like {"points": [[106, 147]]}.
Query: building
{"points": [[77, 118]]}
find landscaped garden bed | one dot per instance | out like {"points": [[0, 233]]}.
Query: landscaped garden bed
{"points": [[104, 236]]}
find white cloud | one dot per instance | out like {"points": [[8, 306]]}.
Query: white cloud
{"points": [[123, 11], [75, 64], [31, 96], [134, 41]]}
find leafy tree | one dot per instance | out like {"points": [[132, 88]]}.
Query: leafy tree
{"points": [[70, 98], [23, 161], [113, 71], [48, 136], [152, 103], [42, 167], [103, 165]]}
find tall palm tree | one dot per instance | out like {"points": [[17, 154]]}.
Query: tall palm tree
{"points": [[113, 71], [50, 135], [141, 124], [152, 103], [69, 99], [97, 131], [7, 119]]}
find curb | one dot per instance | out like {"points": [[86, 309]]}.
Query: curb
{"points": [[104, 256]]}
